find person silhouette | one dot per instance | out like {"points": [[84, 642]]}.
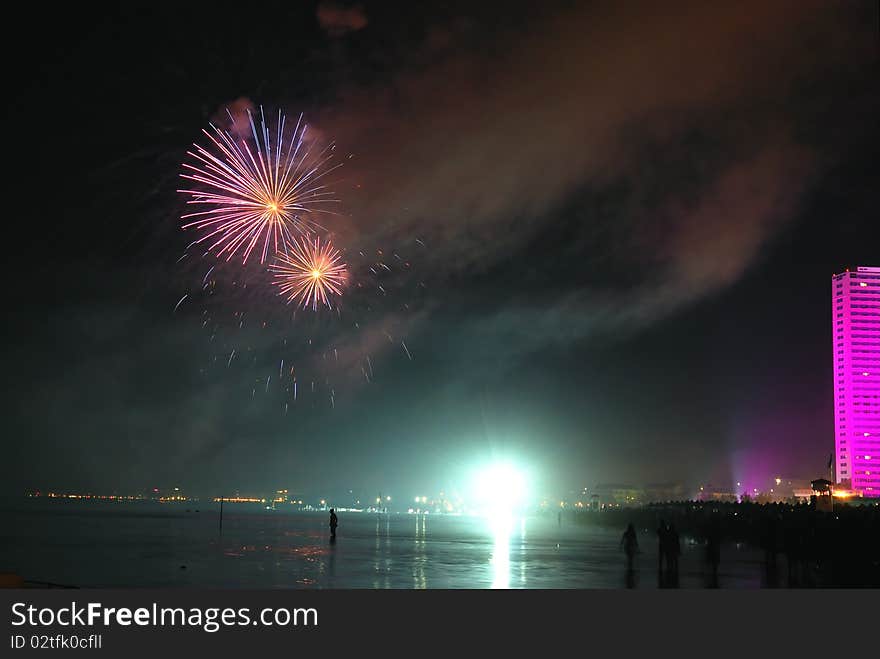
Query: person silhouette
{"points": [[334, 522], [673, 551], [630, 545], [661, 544], [673, 548], [713, 553]]}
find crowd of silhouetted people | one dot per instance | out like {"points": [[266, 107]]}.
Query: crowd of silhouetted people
{"points": [[800, 546]]}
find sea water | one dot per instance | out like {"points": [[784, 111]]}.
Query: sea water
{"points": [[145, 544]]}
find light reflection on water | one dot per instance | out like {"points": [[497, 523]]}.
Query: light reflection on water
{"points": [[88, 547], [382, 561], [420, 557], [501, 526]]}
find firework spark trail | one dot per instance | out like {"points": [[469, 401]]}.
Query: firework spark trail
{"points": [[260, 194], [180, 301], [309, 273], [407, 350]]}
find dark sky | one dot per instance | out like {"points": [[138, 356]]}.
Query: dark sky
{"points": [[620, 223]]}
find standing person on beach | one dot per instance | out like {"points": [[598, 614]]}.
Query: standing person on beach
{"points": [[334, 522], [713, 552], [630, 545], [673, 549], [662, 544]]}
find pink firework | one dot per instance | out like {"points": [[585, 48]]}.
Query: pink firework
{"points": [[309, 272], [257, 194]]}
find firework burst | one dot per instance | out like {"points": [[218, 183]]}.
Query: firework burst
{"points": [[309, 272], [258, 195]]}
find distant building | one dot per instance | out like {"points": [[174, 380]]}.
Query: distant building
{"points": [[792, 489], [715, 493], [664, 492], [617, 494], [855, 321]]}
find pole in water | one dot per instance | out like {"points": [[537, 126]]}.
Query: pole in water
{"points": [[221, 515]]}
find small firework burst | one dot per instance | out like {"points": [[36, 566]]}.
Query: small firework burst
{"points": [[256, 193], [309, 272]]}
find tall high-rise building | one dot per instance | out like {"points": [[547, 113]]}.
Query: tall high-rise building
{"points": [[855, 314]]}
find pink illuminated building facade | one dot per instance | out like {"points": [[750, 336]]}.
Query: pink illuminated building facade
{"points": [[855, 305]]}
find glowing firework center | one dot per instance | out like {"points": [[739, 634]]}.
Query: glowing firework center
{"points": [[310, 273], [499, 490], [256, 193]]}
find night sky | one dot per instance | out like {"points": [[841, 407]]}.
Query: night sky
{"points": [[620, 224]]}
